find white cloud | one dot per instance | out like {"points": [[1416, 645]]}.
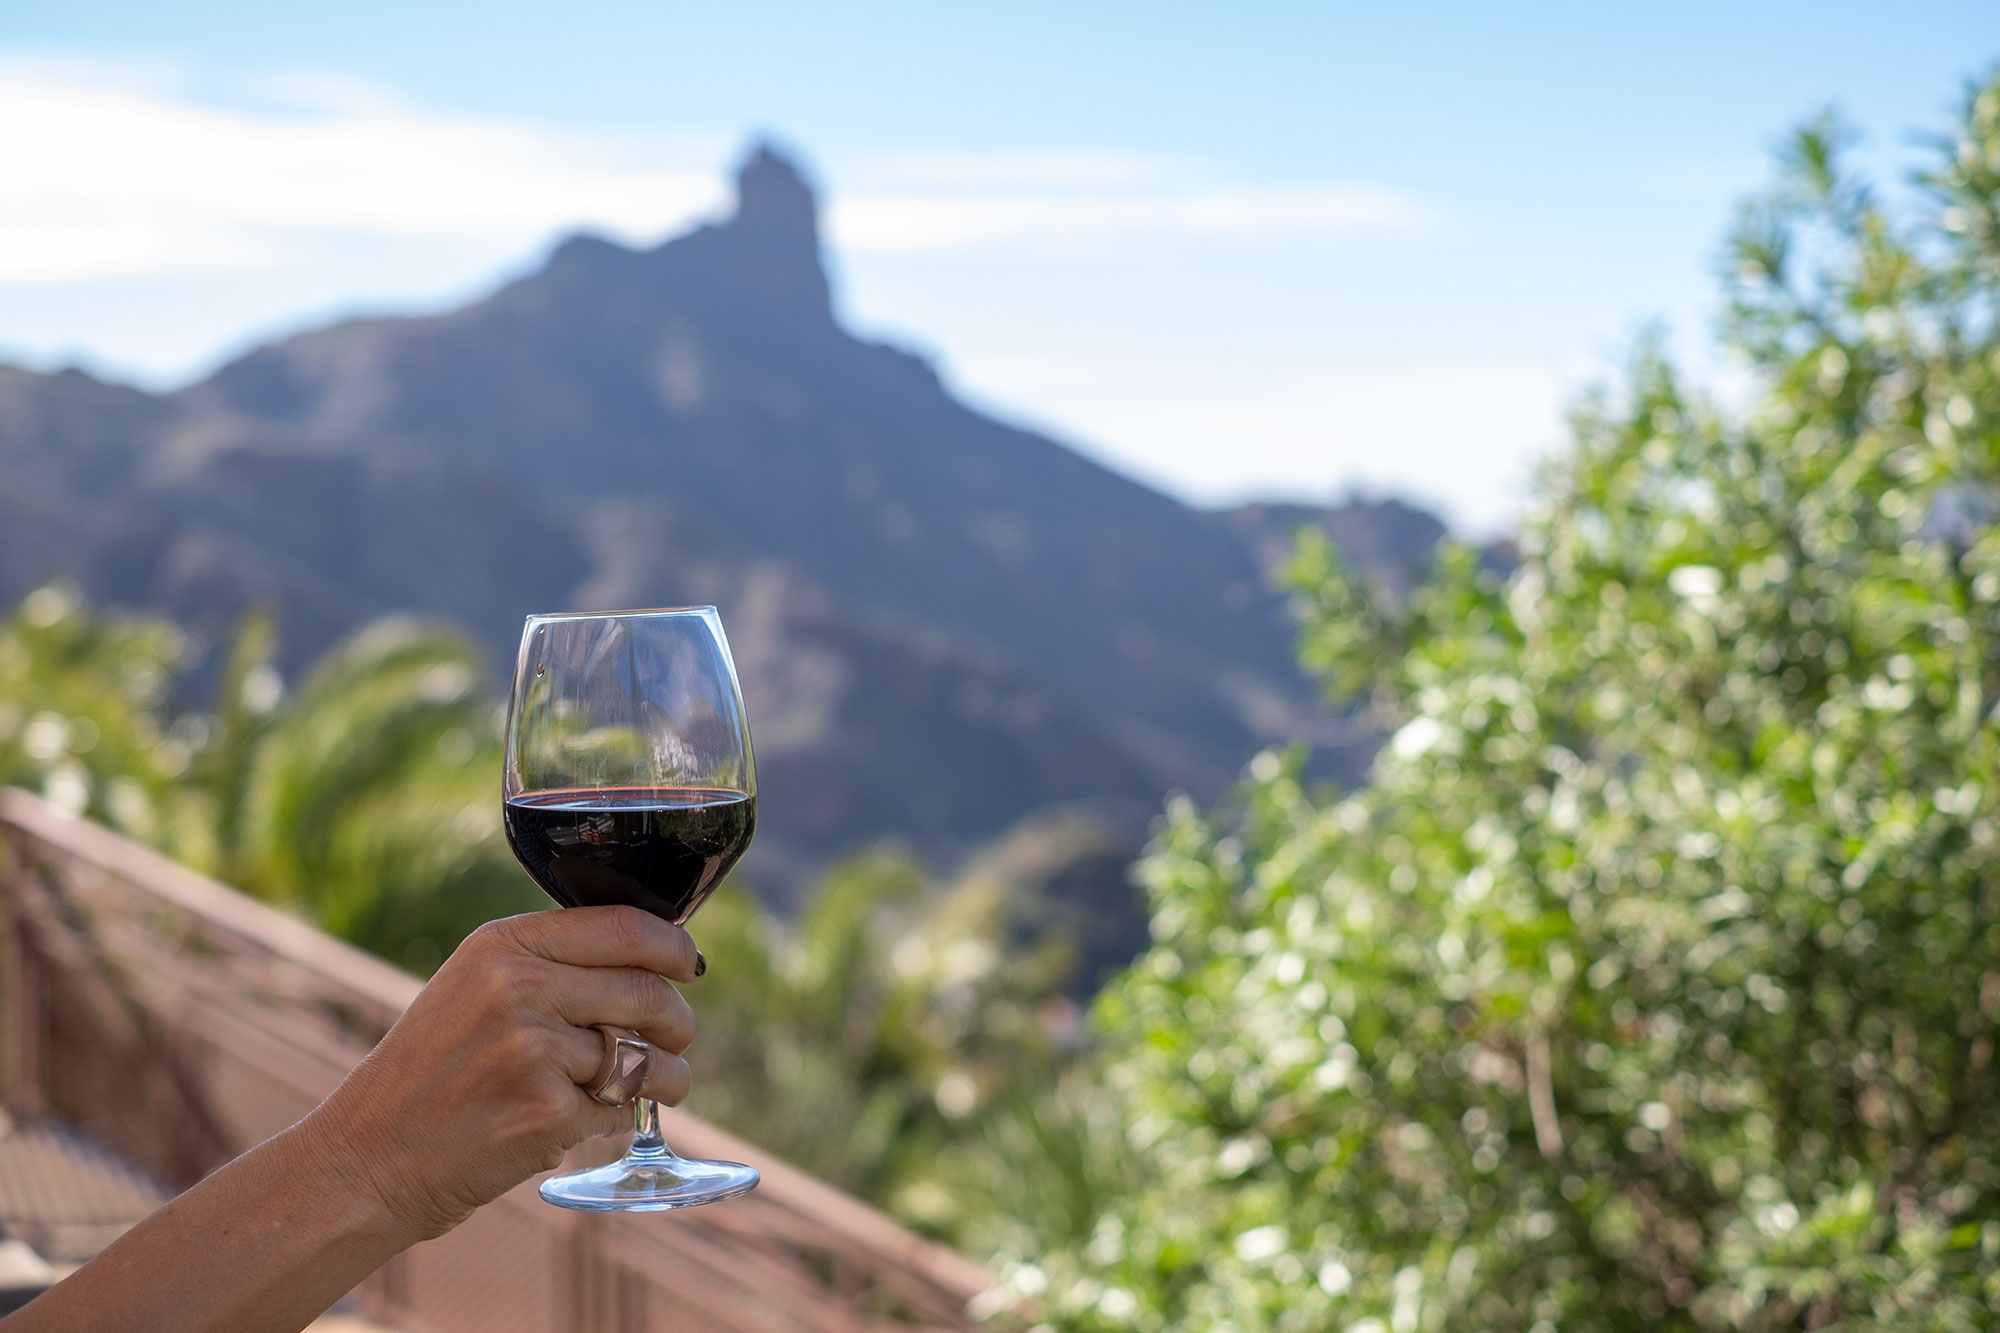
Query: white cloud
{"points": [[111, 176], [905, 221], [918, 203], [994, 170], [113, 172]]}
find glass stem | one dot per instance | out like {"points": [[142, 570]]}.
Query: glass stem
{"points": [[647, 1141]]}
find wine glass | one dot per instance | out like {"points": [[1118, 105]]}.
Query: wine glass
{"points": [[629, 780]]}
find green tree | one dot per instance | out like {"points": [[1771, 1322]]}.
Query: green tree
{"points": [[1654, 980], [890, 1019], [82, 710], [369, 800]]}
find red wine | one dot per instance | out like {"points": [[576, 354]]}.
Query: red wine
{"points": [[661, 848]]}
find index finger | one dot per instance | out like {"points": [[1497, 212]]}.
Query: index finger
{"points": [[607, 937]]}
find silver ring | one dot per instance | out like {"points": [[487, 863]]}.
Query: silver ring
{"points": [[623, 1072]]}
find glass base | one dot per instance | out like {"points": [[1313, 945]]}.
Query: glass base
{"points": [[650, 1183]]}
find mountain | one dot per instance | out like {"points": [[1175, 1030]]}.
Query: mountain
{"points": [[944, 623], [1389, 538]]}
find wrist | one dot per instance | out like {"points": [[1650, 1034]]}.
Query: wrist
{"points": [[357, 1206]]}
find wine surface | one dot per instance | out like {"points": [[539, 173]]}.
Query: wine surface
{"points": [[661, 848]]}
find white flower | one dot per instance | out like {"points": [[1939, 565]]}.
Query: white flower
{"points": [[1699, 584], [1261, 1243], [1417, 736]]}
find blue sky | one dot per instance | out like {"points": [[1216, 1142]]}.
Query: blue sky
{"points": [[1237, 250]]}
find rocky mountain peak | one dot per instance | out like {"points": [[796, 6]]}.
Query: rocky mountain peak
{"points": [[772, 198], [944, 622], [767, 252]]}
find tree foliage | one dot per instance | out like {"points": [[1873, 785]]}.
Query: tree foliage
{"points": [[372, 799], [83, 710], [367, 799], [891, 1018], [876, 1040], [1653, 982]]}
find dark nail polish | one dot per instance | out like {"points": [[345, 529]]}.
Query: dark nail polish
{"points": [[700, 963]]}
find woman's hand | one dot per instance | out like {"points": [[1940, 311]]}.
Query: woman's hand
{"points": [[475, 1089], [478, 1085]]}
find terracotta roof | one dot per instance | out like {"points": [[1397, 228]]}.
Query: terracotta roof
{"points": [[63, 1195], [149, 1008]]}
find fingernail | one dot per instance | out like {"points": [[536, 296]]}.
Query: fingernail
{"points": [[700, 963]]}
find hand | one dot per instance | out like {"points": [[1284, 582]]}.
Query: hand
{"points": [[478, 1085]]}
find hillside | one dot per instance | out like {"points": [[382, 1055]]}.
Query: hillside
{"points": [[944, 622]]}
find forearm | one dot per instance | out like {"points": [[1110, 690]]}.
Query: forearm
{"points": [[264, 1245], [477, 1087]]}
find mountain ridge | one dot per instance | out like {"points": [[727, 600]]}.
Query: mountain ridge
{"points": [[944, 622]]}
